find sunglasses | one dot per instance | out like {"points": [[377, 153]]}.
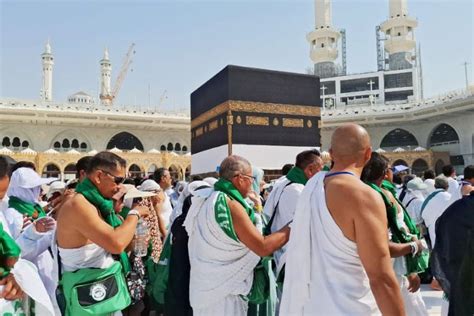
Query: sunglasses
{"points": [[117, 180]]}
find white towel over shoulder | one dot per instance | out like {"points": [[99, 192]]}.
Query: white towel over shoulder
{"points": [[324, 274], [221, 268]]}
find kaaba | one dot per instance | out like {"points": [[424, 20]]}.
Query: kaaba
{"points": [[263, 115]]}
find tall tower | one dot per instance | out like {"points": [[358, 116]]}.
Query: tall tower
{"points": [[47, 62], [105, 73], [323, 41], [400, 41]]}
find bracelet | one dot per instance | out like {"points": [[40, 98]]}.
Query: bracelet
{"points": [[258, 207], [134, 212]]}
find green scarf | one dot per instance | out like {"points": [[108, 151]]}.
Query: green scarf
{"points": [[387, 185], [106, 209], [8, 250], [31, 210], [297, 175], [415, 264], [228, 188], [262, 295]]}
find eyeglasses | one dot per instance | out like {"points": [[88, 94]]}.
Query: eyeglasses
{"points": [[246, 175], [117, 180]]}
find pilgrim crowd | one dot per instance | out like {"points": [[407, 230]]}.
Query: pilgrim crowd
{"points": [[356, 237]]}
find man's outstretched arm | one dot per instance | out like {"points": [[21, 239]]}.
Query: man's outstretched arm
{"points": [[371, 237]]}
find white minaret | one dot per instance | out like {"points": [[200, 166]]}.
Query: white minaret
{"points": [[400, 41], [105, 73], [323, 41], [47, 61]]}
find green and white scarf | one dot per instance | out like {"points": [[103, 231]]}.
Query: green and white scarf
{"points": [[106, 209], [222, 211], [415, 264]]}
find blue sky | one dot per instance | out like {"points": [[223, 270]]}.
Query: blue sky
{"points": [[181, 44]]}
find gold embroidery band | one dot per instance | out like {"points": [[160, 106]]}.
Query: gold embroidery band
{"points": [[290, 122], [257, 120], [256, 107]]}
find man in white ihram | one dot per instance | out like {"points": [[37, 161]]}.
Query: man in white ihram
{"points": [[338, 260]]}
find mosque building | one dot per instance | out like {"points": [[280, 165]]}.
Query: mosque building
{"points": [[411, 130], [54, 135]]}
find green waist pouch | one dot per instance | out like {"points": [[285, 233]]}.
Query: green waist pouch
{"points": [[94, 291]]}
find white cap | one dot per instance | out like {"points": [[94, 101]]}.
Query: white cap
{"points": [[149, 185], [56, 186], [133, 192], [27, 178], [416, 184]]}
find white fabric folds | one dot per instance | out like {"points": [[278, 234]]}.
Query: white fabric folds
{"points": [[324, 274], [221, 268]]}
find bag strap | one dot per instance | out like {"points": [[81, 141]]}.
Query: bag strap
{"points": [[402, 194], [58, 259], [270, 222], [409, 202]]}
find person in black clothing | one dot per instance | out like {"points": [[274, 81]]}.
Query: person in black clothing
{"points": [[177, 296], [452, 259]]}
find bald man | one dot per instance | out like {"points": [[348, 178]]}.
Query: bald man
{"points": [[338, 260]]}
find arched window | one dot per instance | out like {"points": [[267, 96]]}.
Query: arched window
{"points": [[419, 166], [163, 148], [170, 147], [16, 142], [75, 144], [70, 172], [398, 138], [83, 146], [135, 171], [51, 170], [125, 141], [25, 144], [57, 145], [66, 143], [185, 149], [6, 142], [177, 147], [443, 134]]}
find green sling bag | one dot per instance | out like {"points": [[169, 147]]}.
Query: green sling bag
{"points": [[94, 291]]}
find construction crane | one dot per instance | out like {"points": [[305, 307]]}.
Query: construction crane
{"points": [[162, 98], [109, 99]]}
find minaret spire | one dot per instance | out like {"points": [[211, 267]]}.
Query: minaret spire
{"points": [[323, 41], [105, 73], [47, 61], [400, 41]]}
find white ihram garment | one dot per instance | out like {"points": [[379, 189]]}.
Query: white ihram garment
{"points": [[88, 256], [324, 274], [221, 268], [433, 210], [282, 200]]}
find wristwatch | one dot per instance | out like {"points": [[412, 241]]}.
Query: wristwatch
{"points": [[134, 212]]}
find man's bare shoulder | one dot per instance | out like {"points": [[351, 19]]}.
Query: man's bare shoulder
{"points": [[234, 206], [77, 204], [352, 192]]}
